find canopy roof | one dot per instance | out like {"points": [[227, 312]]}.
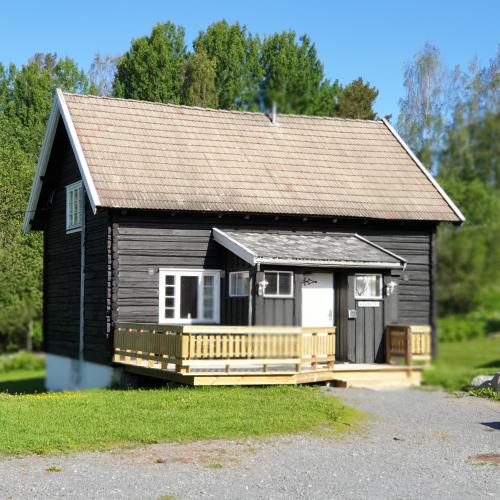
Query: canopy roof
{"points": [[307, 249]]}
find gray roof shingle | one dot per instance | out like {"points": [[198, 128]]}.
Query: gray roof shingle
{"points": [[306, 248]]}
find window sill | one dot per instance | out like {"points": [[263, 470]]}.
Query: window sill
{"points": [[180, 322]]}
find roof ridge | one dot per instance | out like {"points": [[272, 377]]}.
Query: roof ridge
{"points": [[216, 110]]}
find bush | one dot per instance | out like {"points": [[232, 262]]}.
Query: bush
{"points": [[457, 328], [21, 361]]}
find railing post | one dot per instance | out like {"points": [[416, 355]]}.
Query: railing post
{"points": [[329, 363], [183, 345], [314, 350], [388, 344], [409, 347], [299, 339]]}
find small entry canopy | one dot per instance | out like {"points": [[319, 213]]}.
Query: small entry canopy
{"points": [[311, 249]]}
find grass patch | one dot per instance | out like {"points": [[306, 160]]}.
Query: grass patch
{"points": [[100, 419], [487, 392], [53, 468], [459, 362]]}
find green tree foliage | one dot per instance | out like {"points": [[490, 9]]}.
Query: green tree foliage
{"points": [[469, 257], [102, 74], [452, 118], [248, 74], [199, 81], [153, 68], [293, 74], [235, 53], [356, 100], [421, 118]]}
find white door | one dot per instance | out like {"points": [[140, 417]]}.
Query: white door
{"points": [[317, 299]]}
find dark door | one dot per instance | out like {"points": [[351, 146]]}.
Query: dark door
{"points": [[366, 325]]}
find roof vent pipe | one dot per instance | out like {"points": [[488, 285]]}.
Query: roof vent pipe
{"points": [[274, 114]]}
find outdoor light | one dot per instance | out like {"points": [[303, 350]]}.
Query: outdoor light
{"points": [[390, 288], [262, 287]]}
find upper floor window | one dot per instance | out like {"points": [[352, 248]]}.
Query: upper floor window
{"points": [[239, 284], [74, 206], [279, 284], [189, 296], [368, 286]]}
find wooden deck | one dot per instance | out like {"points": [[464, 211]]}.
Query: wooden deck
{"points": [[237, 355]]}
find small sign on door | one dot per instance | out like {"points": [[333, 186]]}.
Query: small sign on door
{"points": [[369, 303]]}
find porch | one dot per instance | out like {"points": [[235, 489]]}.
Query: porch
{"points": [[251, 355]]}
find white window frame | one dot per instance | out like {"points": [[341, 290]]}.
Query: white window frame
{"points": [[71, 226], [381, 287], [278, 295], [232, 276], [200, 273]]}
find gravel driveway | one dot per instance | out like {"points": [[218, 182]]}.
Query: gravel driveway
{"points": [[416, 444]]}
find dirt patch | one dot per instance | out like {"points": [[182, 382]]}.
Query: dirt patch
{"points": [[486, 458]]}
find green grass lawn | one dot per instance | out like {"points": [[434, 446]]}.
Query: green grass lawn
{"points": [[100, 419], [458, 362]]}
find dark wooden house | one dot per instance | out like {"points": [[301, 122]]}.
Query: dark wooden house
{"points": [[213, 246]]}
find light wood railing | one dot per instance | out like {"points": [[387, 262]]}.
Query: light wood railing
{"points": [[226, 349], [408, 343]]}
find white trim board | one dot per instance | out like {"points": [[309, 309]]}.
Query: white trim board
{"points": [[234, 246], [429, 176], [59, 110]]}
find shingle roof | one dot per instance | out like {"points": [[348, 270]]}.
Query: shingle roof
{"points": [[156, 156], [306, 248]]}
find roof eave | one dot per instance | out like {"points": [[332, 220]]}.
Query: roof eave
{"points": [[59, 110], [434, 182], [329, 263]]}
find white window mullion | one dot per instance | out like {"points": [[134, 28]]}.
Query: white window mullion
{"points": [[177, 296]]}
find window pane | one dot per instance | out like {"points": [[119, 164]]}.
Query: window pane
{"points": [[169, 279], [239, 284], [245, 284], [285, 284], [208, 297], [169, 302], [189, 297], [272, 283], [368, 286], [169, 313]]}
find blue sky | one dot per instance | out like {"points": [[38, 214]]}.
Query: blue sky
{"points": [[372, 39]]}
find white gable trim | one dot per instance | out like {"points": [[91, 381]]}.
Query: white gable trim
{"points": [[440, 190], [234, 246], [382, 249], [59, 109]]}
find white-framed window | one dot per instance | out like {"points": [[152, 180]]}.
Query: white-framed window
{"points": [[189, 296], [368, 286], [239, 284], [74, 207], [279, 284]]}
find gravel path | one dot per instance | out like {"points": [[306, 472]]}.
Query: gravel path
{"points": [[416, 444]]}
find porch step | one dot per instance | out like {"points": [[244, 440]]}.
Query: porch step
{"points": [[367, 379]]}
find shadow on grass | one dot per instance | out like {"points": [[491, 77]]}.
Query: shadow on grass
{"points": [[23, 386], [491, 364]]}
